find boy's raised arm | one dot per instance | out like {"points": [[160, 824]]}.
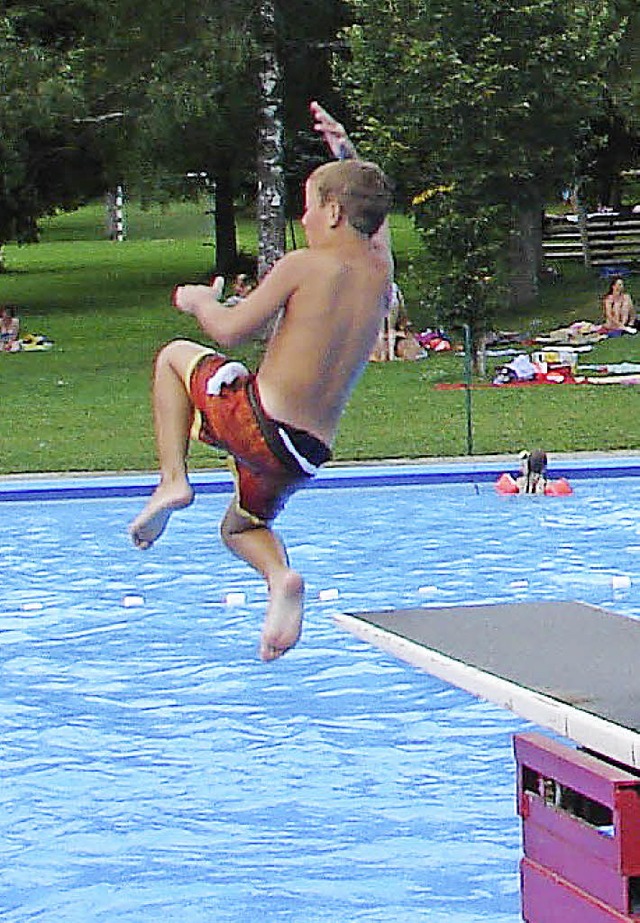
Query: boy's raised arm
{"points": [[333, 133], [230, 326], [342, 148]]}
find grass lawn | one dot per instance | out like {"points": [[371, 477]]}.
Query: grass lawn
{"points": [[84, 406]]}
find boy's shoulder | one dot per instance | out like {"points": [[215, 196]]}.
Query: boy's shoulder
{"points": [[330, 260], [308, 258]]}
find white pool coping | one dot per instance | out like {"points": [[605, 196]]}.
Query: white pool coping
{"points": [[485, 469]]}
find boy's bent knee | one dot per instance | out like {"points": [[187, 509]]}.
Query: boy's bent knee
{"points": [[178, 355], [166, 352], [177, 347], [236, 523]]}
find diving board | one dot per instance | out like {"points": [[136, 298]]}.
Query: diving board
{"points": [[570, 667]]}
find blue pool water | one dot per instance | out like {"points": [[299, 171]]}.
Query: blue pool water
{"points": [[154, 769]]}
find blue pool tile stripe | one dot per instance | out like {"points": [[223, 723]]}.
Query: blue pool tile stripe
{"points": [[388, 475]]}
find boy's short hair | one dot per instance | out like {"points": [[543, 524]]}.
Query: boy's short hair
{"points": [[361, 189]]}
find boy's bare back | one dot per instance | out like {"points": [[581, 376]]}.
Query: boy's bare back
{"points": [[334, 298], [325, 336]]}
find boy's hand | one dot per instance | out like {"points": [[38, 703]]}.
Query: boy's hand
{"points": [[341, 147], [188, 298], [333, 132]]}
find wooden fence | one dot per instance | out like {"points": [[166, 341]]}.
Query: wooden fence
{"points": [[605, 239]]}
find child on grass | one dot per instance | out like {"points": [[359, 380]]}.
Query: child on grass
{"points": [[279, 424], [9, 328]]}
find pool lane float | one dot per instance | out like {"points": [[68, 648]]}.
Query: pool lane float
{"points": [[506, 484]]}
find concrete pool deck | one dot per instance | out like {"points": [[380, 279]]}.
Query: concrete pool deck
{"points": [[388, 472]]}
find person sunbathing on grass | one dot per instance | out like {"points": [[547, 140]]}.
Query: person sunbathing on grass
{"points": [[618, 308], [279, 424], [9, 328]]}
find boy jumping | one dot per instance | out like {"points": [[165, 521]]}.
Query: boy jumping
{"points": [[279, 424]]}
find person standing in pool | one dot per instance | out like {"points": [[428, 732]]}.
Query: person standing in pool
{"points": [[533, 477], [279, 424]]}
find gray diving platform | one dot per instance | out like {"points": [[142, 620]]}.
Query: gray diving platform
{"points": [[569, 667]]}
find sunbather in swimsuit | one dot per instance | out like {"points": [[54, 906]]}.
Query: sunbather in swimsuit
{"points": [[269, 459]]}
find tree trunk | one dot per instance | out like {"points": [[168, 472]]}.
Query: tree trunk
{"points": [[3, 262], [270, 205], [584, 230], [525, 255], [479, 355], [224, 221]]}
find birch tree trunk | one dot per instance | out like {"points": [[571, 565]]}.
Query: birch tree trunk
{"points": [[270, 171]]}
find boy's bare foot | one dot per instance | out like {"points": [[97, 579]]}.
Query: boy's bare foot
{"points": [[283, 621], [151, 522]]}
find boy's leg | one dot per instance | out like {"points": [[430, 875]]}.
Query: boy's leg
{"points": [[260, 547], [173, 415]]}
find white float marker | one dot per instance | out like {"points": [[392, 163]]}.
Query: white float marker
{"points": [[326, 595], [235, 599], [620, 582], [427, 590]]}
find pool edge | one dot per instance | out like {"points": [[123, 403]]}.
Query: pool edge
{"points": [[368, 474]]}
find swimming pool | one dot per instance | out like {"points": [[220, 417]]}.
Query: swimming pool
{"points": [[153, 767]]}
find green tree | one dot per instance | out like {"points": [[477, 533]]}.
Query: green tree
{"points": [[614, 142], [496, 98], [146, 91], [183, 77], [47, 159], [195, 96]]}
